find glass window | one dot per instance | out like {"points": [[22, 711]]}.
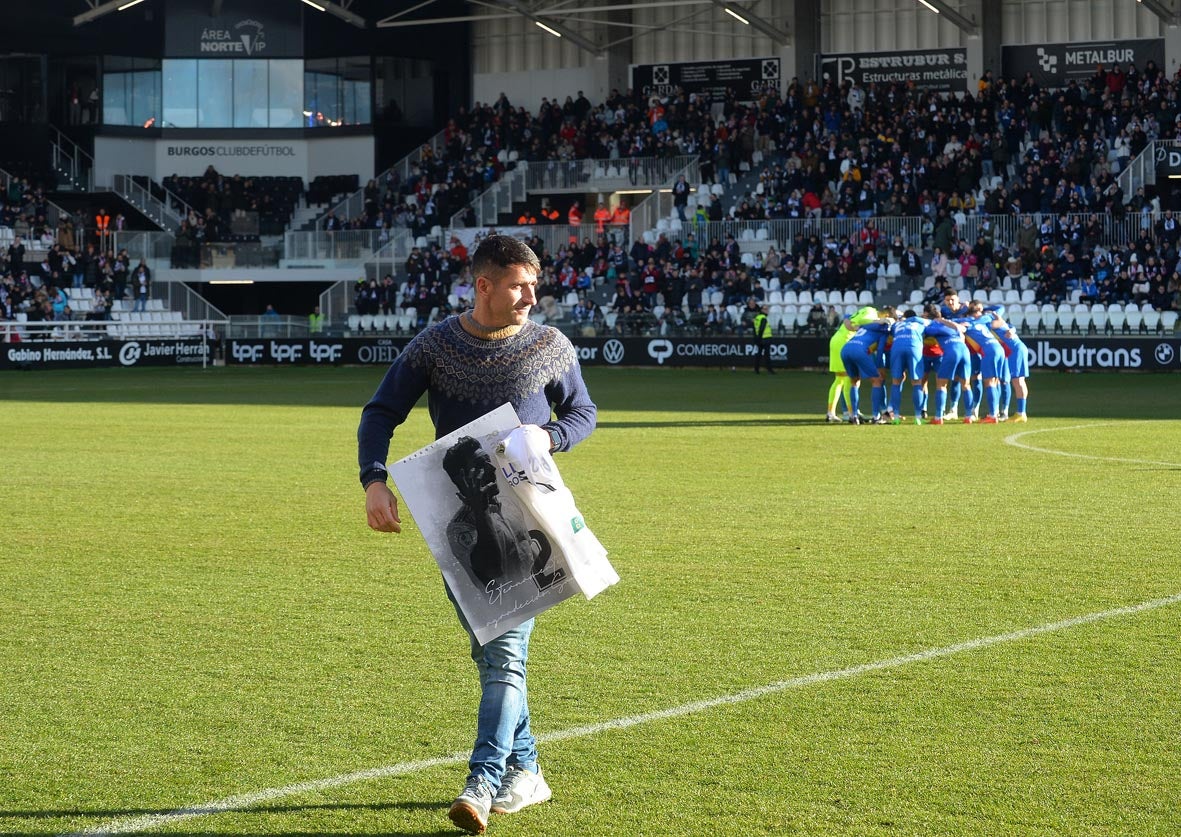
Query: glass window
{"points": [[286, 93], [144, 92], [321, 93], [180, 93], [215, 94], [116, 108], [250, 94], [357, 105]]}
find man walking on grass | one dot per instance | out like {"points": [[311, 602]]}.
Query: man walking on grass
{"points": [[468, 365]]}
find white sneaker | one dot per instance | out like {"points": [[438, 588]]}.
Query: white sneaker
{"points": [[469, 811], [519, 789]]}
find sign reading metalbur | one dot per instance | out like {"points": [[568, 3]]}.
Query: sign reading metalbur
{"points": [[1056, 65]]}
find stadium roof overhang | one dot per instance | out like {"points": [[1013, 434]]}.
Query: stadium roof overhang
{"points": [[966, 24], [1162, 9], [562, 17], [341, 10]]}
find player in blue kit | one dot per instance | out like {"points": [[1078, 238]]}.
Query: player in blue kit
{"points": [[906, 363], [1017, 359], [954, 366], [860, 356], [954, 308], [982, 342]]}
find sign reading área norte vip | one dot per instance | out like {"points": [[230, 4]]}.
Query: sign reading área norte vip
{"points": [[240, 29], [938, 70], [1055, 65]]}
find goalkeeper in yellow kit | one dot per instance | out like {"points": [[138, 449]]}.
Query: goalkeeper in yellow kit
{"points": [[841, 385]]}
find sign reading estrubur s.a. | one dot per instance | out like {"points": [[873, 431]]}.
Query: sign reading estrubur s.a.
{"points": [[745, 79], [500, 522], [937, 70]]}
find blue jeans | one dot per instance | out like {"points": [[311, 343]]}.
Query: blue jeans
{"points": [[503, 737]]}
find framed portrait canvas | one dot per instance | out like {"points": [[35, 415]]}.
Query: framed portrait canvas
{"points": [[498, 562]]}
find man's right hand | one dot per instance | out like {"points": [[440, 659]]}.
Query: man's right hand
{"points": [[381, 508]]}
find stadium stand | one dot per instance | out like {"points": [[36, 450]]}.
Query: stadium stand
{"points": [[800, 194]]}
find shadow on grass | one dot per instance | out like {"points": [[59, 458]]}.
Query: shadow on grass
{"points": [[440, 807]]}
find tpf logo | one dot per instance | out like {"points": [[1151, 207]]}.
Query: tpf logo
{"points": [[248, 352], [613, 351], [1048, 63], [326, 352], [1164, 353], [130, 354], [286, 352], [658, 350]]}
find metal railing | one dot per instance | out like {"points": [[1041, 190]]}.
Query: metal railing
{"points": [[180, 297], [339, 245], [115, 329], [1141, 170], [556, 236], [154, 247], [495, 199], [354, 204], [1112, 231], [71, 161], [243, 326], [391, 255], [156, 210], [648, 212], [602, 175], [53, 214], [337, 300]]}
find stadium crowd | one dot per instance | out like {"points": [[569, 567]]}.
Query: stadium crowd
{"points": [[826, 151], [843, 152]]}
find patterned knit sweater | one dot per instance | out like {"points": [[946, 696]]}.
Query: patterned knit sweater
{"points": [[534, 368]]}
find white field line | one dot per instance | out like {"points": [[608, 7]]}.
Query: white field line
{"points": [[249, 800], [1013, 440]]}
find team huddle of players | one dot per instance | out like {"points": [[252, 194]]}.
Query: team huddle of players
{"points": [[976, 358]]}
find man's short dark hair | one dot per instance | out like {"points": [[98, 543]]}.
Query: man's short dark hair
{"points": [[497, 253], [460, 454]]}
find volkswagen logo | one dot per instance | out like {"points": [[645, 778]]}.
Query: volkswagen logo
{"points": [[613, 351], [1164, 353]]}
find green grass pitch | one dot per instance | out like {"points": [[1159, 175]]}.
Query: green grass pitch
{"points": [[192, 610]]}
